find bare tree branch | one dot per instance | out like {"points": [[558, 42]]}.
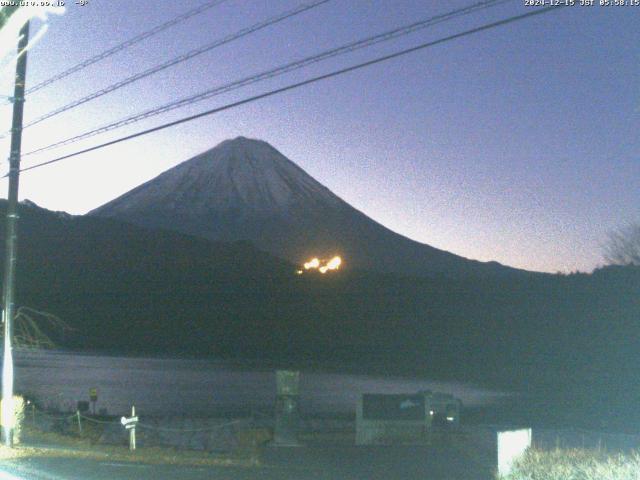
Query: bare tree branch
{"points": [[31, 326], [623, 246]]}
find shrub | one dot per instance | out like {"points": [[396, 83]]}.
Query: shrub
{"points": [[575, 465], [19, 406]]}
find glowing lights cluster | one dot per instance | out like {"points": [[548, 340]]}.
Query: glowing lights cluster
{"points": [[321, 265], [9, 35]]}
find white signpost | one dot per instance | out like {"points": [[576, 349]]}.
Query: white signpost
{"points": [[130, 424]]}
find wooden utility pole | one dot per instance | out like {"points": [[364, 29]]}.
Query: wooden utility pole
{"points": [[11, 239]]}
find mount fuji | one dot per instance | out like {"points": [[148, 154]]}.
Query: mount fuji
{"points": [[246, 190]]}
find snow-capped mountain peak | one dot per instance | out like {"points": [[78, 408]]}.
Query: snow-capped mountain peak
{"points": [[244, 189], [237, 174]]}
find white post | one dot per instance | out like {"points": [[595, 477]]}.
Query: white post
{"points": [[132, 431], [79, 422]]}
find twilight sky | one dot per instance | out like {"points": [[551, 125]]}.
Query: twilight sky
{"points": [[520, 144]]}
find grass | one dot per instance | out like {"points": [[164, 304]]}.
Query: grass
{"points": [[576, 464], [148, 455], [68, 446]]}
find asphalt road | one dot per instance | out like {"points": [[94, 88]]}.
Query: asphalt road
{"points": [[83, 469], [330, 463]]}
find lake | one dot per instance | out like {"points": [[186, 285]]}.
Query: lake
{"points": [[170, 386]]}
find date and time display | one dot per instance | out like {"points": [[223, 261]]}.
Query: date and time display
{"points": [[527, 3], [582, 3], [43, 3]]}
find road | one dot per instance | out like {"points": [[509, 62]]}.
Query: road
{"points": [[327, 463], [83, 469]]}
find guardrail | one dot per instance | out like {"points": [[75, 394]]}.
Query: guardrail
{"points": [[224, 436]]}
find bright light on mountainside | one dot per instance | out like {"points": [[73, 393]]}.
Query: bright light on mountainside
{"points": [[323, 266], [313, 263]]}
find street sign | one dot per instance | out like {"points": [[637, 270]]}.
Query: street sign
{"points": [[129, 422], [93, 394]]}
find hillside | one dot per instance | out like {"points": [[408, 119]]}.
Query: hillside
{"points": [[570, 339]]}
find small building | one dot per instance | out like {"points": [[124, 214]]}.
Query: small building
{"points": [[385, 419]]}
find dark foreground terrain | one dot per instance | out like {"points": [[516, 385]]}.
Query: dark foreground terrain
{"points": [[301, 463]]}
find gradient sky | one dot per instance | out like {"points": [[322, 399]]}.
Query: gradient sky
{"points": [[518, 144]]}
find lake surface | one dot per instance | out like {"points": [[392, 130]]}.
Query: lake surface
{"points": [[165, 386]]}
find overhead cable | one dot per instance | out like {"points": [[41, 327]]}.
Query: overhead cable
{"points": [[274, 72], [300, 84], [126, 44], [174, 61]]}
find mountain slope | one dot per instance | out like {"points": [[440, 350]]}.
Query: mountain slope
{"points": [[569, 342], [246, 190]]}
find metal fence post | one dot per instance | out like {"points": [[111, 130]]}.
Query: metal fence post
{"points": [[79, 422]]}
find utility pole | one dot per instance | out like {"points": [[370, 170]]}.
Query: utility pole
{"points": [[11, 239]]}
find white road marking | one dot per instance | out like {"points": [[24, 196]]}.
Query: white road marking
{"points": [[115, 464], [27, 473], [8, 476]]}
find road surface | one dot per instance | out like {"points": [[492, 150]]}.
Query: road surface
{"points": [[327, 463]]}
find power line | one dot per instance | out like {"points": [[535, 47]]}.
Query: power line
{"points": [[289, 67], [293, 86], [126, 44], [193, 53]]}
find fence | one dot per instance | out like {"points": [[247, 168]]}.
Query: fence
{"points": [[214, 435]]}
